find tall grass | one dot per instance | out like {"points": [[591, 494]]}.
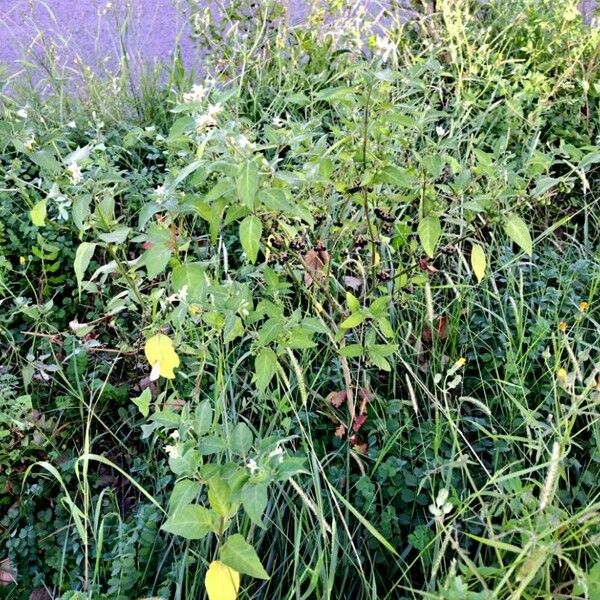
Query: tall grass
{"points": [[475, 472]]}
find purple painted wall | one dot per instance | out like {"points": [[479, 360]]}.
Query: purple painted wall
{"points": [[89, 29]]}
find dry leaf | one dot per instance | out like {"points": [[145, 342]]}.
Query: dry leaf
{"points": [[354, 283], [425, 266], [365, 397], [340, 431], [315, 261], [7, 573], [358, 422], [337, 398]]}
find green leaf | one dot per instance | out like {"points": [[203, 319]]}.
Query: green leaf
{"points": [[392, 175], [518, 232], [203, 417], [220, 497], [143, 402], [353, 320], [79, 154], [118, 236], [592, 580], [336, 93], [192, 276], [192, 522], [265, 366], [247, 184], [83, 255], [429, 231], [38, 214], [386, 327], [478, 261], [232, 328], [238, 554], [589, 159], [81, 210], [351, 350], [156, 258], [250, 233], [352, 302], [543, 184], [46, 160], [185, 491], [366, 524], [377, 359], [241, 439], [275, 199], [212, 445], [211, 213], [254, 501]]}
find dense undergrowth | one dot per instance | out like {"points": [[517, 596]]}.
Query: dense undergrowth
{"points": [[327, 319]]}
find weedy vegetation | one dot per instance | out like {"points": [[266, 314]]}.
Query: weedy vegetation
{"points": [[321, 321]]}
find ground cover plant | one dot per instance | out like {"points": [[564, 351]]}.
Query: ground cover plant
{"points": [[320, 321]]}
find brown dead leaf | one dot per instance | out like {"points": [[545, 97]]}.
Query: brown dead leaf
{"points": [[7, 574], [442, 327], [365, 397], [425, 266], [340, 431], [337, 398], [358, 422], [40, 594], [352, 282], [361, 447], [315, 261]]}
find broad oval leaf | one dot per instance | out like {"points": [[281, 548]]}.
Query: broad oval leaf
{"points": [[516, 229], [241, 439], [429, 231], [192, 277], [265, 367], [161, 355], [192, 522], [38, 214], [185, 491], [222, 582], [247, 184], [83, 255], [250, 233], [353, 320], [238, 554], [478, 261], [254, 501]]}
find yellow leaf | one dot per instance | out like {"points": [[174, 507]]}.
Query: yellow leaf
{"points": [[221, 581], [161, 355], [478, 261]]}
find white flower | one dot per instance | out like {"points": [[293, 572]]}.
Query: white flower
{"points": [[22, 113], [72, 124], [441, 507], [196, 94], [160, 191], [172, 451], [180, 296], [174, 435], [244, 143], [208, 119], [277, 453], [75, 172], [385, 49], [252, 466], [440, 131]]}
